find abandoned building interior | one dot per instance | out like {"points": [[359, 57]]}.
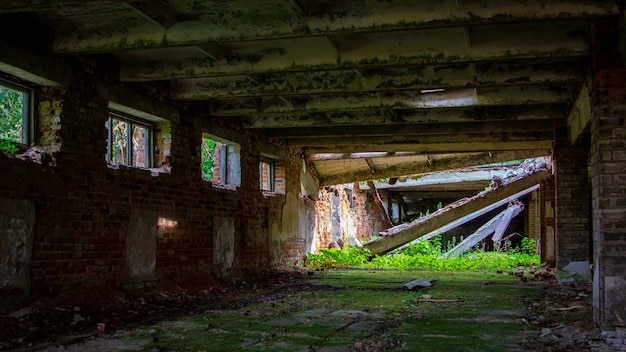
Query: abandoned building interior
{"points": [[227, 137]]}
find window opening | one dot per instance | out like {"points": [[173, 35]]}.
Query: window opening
{"points": [[220, 161], [129, 141], [266, 175], [14, 115]]}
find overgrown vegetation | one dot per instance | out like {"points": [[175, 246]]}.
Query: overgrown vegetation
{"points": [[207, 163], [11, 109], [427, 255]]}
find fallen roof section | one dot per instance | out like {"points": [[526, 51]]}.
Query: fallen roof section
{"points": [[460, 212], [496, 227]]}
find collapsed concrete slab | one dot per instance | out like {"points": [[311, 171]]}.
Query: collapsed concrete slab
{"points": [[460, 212]]}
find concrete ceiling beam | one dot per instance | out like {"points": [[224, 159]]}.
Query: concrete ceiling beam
{"points": [[412, 131], [379, 79], [550, 40], [405, 116], [460, 145], [439, 163], [237, 20], [466, 97]]}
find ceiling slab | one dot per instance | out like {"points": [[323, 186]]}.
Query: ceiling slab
{"points": [[332, 78]]}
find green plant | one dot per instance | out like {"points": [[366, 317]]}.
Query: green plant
{"points": [[423, 255], [528, 246], [11, 110], [207, 163], [8, 147]]}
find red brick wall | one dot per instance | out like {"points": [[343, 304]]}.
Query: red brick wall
{"points": [[361, 221], [83, 206]]}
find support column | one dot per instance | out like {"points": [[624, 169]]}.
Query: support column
{"points": [[608, 175], [572, 202]]}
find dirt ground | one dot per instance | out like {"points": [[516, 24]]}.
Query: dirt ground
{"points": [[293, 310]]}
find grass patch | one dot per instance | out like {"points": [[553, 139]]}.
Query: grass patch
{"points": [[427, 255]]}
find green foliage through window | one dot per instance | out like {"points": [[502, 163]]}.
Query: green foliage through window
{"points": [[13, 110], [207, 163]]}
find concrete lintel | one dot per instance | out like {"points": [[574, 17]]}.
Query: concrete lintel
{"points": [[219, 130], [135, 104], [579, 116], [272, 150], [36, 68]]}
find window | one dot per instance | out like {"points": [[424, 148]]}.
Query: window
{"points": [[220, 161], [129, 140], [14, 113], [266, 175]]}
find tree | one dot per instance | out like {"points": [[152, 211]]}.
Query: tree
{"points": [[11, 110], [206, 165]]}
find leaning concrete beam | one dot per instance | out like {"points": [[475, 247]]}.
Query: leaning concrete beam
{"points": [[445, 216], [35, 68]]}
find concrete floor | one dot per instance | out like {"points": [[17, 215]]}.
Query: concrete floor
{"points": [[364, 310]]}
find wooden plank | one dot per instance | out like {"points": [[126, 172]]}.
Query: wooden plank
{"points": [[445, 215]]}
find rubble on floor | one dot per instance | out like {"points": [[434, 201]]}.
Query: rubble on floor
{"points": [[558, 319], [562, 319]]}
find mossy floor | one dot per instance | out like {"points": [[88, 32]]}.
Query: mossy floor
{"points": [[349, 310]]}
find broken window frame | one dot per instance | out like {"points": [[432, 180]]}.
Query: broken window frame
{"points": [[131, 123], [269, 185], [26, 127]]}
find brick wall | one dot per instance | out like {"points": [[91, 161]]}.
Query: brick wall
{"points": [[361, 221], [83, 206], [572, 202], [608, 174]]}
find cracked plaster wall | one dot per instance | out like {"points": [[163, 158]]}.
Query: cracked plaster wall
{"points": [[17, 218]]}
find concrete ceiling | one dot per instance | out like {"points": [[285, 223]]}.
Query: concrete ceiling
{"points": [[369, 88]]}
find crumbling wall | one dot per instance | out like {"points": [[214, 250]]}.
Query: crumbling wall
{"points": [[358, 219], [287, 232]]}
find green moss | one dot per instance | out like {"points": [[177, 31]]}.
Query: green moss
{"points": [[341, 308]]}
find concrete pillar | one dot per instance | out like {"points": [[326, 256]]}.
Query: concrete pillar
{"points": [[572, 202], [608, 175]]}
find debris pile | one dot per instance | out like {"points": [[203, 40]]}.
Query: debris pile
{"points": [[84, 313], [562, 320]]}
